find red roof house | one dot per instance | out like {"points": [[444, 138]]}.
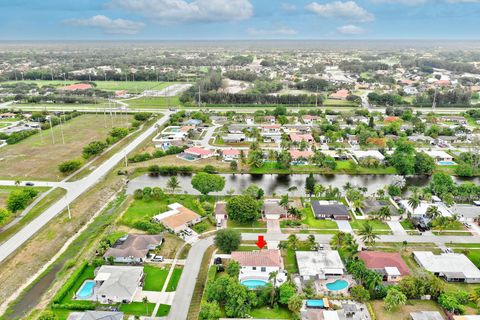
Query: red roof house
{"points": [[77, 86], [261, 258], [389, 264], [297, 154], [301, 137], [199, 152], [339, 95]]}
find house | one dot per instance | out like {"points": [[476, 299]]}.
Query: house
{"points": [[133, 248], [177, 218], [409, 90], [75, 87], [115, 284], [455, 119], [231, 154], [96, 315], [193, 122], [330, 210], [319, 265], [195, 153], [220, 211], [273, 210], [272, 128], [352, 139], [421, 210], [301, 137], [121, 94], [339, 95], [467, 317], [7, 115], [309, 119], [361, 154], [453, 267], [257, 265], [269, 119], [234, 138], [372, 205], [426, 315], [441, 157], [390, 265], [300, 156]]}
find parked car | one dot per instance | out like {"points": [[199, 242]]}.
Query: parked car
{"points": [[29, 184], [157, 258]]}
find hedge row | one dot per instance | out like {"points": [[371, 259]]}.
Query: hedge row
{"points": [[140, 157], [62, 293]]}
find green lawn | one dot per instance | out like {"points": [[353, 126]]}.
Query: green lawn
{"points": [[255, 224], [309, 219], [138, 308], [173, 283], [140, 209], [268, 313], [163, 310], [377, 224], [155, 102], [407, 225], [155, 278]]}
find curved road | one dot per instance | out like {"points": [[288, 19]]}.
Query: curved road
{"points": [[74, 190]]}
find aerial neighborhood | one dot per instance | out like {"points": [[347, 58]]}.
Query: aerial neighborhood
{"points": [[239, 181]]}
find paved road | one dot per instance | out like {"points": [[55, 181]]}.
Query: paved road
{"points": [[186, 285], [74, 190]]}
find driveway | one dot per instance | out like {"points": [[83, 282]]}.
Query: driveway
{"points": [[273, 226], [397, 228], [344, 226]]}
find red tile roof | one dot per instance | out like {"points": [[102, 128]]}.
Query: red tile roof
{"points": [[295, 154], [231, 152], [262, 258], [301, 137], [78, 86], [198, 151], [380, 260], [340, 94]]}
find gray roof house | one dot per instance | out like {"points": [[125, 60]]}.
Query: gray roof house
{"points": [[372, 205], [453, 267], [134, 248], [117, 283], [96, 315], [330, 210], [426, 315]]}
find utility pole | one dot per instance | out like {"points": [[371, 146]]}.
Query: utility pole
{"points": [[51, 129], [434, 105], [105, 116], [68, 207], [61, 126]]}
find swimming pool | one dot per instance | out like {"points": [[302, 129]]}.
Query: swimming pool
{"points": [[86, 290], [188, 157], [253, 284], [315, 303], [337, 285], [446, 163]]}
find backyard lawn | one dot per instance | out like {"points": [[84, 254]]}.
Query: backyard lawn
{"points": [[37, 158], [269, 313], [403, 313], [154, 278]]}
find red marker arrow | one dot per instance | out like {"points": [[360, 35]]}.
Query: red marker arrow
{"points": [[261, 242]]}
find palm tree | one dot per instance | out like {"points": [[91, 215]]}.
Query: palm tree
{"points": [[284, 201], [384, 213], [414, 202], [367, 233], [292, 242], [273, 277], [338, 239], [432, 212], [173, 183], [311, 240], [373, 280], [145, 302], [318, 190], [17, 183]]}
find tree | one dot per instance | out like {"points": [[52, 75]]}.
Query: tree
{"points": [[238, 303], [227, 240], [394, 299], [295, 303], [145, 303], [4, 214], [360, 294], [292, 242], [173, 183], [284, 201], [254, 191], [273, 277], [234, 165], [432, 212], [233, 269], [424, 164], [403, 158], [93, 148], [210, 311], [384, 213], [414, 202], [367, 233], [285, 292], [311, 240], [310, 185], [255, 158], [441, 184], [47, 315], [318, 190], [243, 209], [70, 166], [206, 183]]}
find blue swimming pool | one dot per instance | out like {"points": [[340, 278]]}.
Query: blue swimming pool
{"points": [[315, 304], [86, 290], [337, 285], [253, 284], [446, 163]]}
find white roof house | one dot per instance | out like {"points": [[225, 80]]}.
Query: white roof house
{"points": [[96, 315], [319, 264], [439, 155], [421, 211], [360, 154], [453, 267], [117, 283]]}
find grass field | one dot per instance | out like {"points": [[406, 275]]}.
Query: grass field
{"points": [[153, 103], [155, 278], [269, 313], [173, 282], [403, 313], [137, 308], [37, 158], [376, 224], [130, 86], [343, 167]]}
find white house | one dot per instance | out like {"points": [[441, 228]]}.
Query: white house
{"points": [[313, 265], [231, 154], [116, 284], [453, 267], [361, 154], [421, 211], [441, 157], [257, 265]]}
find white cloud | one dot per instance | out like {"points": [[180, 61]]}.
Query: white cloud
{"points": [[114, 26], [181, 10], [278, 31], [347, 10], [404, 2], [463, 1], [350, 29], [288, 6]]}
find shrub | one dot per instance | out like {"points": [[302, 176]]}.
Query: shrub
{"points": [[93, 148], [70, 166], [142, 116], [19, 199]]}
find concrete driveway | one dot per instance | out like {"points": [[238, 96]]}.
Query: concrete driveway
{"points": [[344, 226], [397, 228]]}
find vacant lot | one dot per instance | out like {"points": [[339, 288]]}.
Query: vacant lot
{"points": [[154, 103], [404, 312], [38, 158]]}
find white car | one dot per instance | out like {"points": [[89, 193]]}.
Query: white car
{"points": [[157, 259]]}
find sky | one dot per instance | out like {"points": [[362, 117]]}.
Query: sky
{"points": [[238, 19]]}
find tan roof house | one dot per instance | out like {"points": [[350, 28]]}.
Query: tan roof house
{"points": [[178, 218]]}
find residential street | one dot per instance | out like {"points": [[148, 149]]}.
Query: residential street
{"points": [[74, 190]]}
